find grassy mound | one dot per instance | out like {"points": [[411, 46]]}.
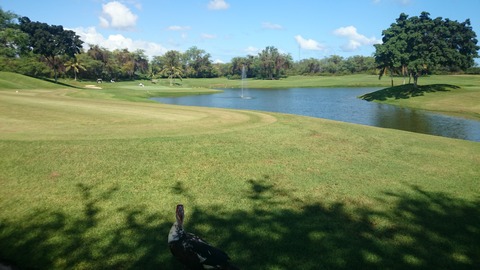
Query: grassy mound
{"points": [[462, 98], [89, 181], [407, 91], [9, 80]]}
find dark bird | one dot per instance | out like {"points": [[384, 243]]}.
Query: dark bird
{"points": [[192, 251]]}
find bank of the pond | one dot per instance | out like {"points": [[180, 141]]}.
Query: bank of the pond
{"points": [[444, 98], [339, 104]]}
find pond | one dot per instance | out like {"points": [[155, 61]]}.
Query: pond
{"points": [[340, 104]]}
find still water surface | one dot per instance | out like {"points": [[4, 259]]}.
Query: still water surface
{"points": [[339, 104]]}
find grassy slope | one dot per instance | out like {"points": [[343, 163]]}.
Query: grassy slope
{"points": [[16, 81], [457, 95], [92, 183]]}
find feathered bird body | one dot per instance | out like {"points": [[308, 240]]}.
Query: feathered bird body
{"points": [[193, 251]]}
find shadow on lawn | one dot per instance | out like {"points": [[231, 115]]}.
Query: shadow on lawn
{"points": [[423, 230], [407, 91], [56, 82]]}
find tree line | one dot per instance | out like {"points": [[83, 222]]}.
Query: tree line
{"points": [[410, 46]]}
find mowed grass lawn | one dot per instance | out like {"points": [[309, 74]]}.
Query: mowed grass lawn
{"points": [[89, 179]]}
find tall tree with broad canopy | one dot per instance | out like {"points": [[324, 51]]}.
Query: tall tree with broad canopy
{"points": [[141, 61], [238, 63], [417, 45], [51, 41], [197, 64], [12, 39], [96, 61], [272, 64]]}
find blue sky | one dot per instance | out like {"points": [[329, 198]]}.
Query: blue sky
{"points": [[230, 28]]}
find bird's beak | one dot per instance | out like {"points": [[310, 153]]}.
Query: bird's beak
{"points": [[180, 213]]}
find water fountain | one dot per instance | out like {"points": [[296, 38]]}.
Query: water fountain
{"points": [[244, 77]]}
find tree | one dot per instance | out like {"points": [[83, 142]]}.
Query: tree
{"points": [[12, 40], [391, 56], [358, 64], [196, 63], [272, 64], [141, 61], [308, 66], [156, 66], [189, 61], [125, 63], [74, 65], [333, 64], [237, 64], [418, 45], [51, 41], [172, 67]]}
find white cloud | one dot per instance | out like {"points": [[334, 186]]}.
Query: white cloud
{"points": [[104, 22], [91, 36], [309, 44], [355, 40], [178, 28], [208, 36], [118, 16], [251, 50], [273, 26], [218, 61], [218, 4]]}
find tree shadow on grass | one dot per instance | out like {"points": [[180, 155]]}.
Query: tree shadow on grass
{"points": [[60, 240], [56, 82], [422, 230], [407, 91]]}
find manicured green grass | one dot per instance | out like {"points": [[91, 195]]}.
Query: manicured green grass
{"points": [[90, 179], [10, 80]]}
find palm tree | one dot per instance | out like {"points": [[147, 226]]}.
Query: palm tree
{"points": [[172, 66], [172, 72], [75, 65]]}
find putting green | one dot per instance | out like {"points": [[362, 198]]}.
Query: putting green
{"points": [[52, 114]]}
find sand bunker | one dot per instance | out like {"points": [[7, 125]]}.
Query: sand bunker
{"points": [[91, 86]]}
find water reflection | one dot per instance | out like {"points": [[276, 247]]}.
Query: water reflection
{"points": [[426, 122], [340, 104]]}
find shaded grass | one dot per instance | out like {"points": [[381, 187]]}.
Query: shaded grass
{"points": [[406, 91], [10, 80], [93, 183], [310, 235]]}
